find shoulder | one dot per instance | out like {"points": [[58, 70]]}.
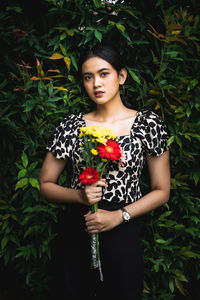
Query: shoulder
{"points": [[149, 119], [62, 140], [69, 126], [152, 131], [71, 120], [149, 115]]}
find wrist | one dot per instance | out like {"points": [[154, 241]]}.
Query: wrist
{"points": [[119, 216], [125, 215], [82, 196]]}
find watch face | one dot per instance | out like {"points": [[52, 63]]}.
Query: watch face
{"points": [[126, 216]]}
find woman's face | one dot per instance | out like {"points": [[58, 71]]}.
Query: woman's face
{"points": [[101, 80]]}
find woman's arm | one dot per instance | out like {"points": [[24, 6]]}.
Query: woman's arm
{"points": [[159, 171], [49, 189]]}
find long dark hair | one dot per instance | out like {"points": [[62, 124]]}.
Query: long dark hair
{"points": [[109, 54], [104, 51]]}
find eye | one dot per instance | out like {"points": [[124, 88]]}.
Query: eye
{"points": [[104, 74], [87, 77]]}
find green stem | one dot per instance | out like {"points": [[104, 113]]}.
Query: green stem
{"points": [[94, 209]]}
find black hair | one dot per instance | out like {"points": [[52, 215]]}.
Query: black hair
{"points": [[109, 54], [104, 51]]}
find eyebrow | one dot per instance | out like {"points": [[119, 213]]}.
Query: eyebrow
{"points": [[99, 71]]}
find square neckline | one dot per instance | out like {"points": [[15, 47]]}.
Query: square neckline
{"points": [[117, 136]]}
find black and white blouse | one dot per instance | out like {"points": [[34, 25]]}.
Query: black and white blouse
{"points": [[148, 135]]}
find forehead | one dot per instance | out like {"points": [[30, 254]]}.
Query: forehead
{"points": [[94, 64]]}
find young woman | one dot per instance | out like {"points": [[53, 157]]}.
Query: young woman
{"points": [[143, 137]]}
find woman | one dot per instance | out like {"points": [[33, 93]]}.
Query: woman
{"points": [[143, 137]]}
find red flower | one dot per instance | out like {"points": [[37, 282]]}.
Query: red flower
{"points": [[110, 151], [89, 176]]}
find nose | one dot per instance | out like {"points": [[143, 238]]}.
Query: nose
{"points": [[97, 81]]}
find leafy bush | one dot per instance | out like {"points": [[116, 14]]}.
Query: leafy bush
{"points": [[160, 45]]}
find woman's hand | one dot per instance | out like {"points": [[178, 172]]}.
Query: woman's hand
{"points": [[92, 193], [102, 220]]}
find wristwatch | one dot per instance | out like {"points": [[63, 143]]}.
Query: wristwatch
{"points": [[125, 215]]}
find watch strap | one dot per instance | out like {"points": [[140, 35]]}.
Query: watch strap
{"points": [[126, 212]]}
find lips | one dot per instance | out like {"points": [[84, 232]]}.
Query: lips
{"points": [[99, 93]]}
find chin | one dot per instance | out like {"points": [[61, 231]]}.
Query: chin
{"points": [[100, 101]]}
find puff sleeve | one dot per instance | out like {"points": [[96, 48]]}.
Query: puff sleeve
{"points": [[62, 140], [153, 133]]}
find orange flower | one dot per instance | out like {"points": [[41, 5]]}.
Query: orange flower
{"points": [[89, 176], [110, 151]]}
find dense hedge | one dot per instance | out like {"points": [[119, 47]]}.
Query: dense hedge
{"points": [[40, 43]]}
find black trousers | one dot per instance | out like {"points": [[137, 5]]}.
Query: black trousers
{"points": [[121, 259]]}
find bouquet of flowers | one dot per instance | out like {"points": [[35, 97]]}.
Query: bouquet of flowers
{"points": [[98, 147]]}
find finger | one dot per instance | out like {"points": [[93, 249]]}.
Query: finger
{"points": [[103, 179], [101, 183], [92, 229], [97, 195], [88, 213], [89, 218], [93, 188], [97, 189]]}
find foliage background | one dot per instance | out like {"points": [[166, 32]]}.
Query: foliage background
{"points": [[40, 43]]}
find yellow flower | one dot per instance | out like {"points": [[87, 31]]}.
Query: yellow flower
{"points": [[94, 151], [83, 129], [94, 128], [80, 144], [102, 140], [80, 135], [97, 132], [104, 159]]}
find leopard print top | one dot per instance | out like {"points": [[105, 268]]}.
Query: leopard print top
{"points": [[148, 135]]}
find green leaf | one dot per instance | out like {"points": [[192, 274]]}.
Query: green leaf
{"points": [[17, 9], [134, 76], [74, 64], [98, 35], [14, 239], [170, 140], [4, 242], [97, 3], [179, 286], [165, 214], [32, 166], [70, 32], [24, 159], [62, 48], [156, 267], [196, 177], [22, 173], [63, 36], [171, 285], [21, 183], [179, 275], [120, 27], [29, 231], [178, 141], [161, 241], [34, 182], [125, 34], [191, 254], [19, 254]]}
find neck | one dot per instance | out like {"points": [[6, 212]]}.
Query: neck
{"points": [[110, 111]]}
